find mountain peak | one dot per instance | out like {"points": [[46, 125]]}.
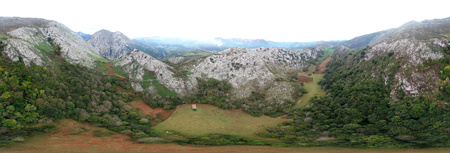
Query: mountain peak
{"points": [[111, 45]]}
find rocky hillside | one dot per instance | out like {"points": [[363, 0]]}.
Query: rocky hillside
{"points": [[35, 40], [362, 41], [412, 45], [148, 73], [111, 45], [262, 70], [256, 69]]}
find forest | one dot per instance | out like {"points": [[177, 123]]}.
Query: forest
{"points": [[34, 96]]}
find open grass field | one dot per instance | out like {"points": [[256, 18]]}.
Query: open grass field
{"points": [[313, 89], [211, 119]]}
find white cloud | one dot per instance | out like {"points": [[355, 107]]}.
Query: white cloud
{"points": [[281, 20]]}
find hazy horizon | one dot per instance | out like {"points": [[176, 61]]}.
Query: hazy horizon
{"points": [[280, 21]]}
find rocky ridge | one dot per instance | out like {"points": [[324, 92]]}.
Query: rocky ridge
{"points": [[31, 42]]}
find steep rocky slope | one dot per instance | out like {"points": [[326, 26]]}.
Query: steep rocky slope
{"points": [[111, 45], [413, 44], [35, 39]]}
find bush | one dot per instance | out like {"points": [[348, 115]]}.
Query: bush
{"points": [[152, 140], [100, 133]]}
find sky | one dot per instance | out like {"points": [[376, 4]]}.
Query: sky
{"points": [[275, 20]]}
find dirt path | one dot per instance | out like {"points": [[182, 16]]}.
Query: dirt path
{"points": [[145, 109], [322, 66]]}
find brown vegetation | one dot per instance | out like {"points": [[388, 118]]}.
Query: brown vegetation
{"points": [[147, 110], [301, 78]]}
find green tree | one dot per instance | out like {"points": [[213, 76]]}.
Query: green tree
{"points": [[447, 70], [11, 123]]}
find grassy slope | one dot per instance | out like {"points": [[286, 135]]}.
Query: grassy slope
{"points": [[210, 119]]}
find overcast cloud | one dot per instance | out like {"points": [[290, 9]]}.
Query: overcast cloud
{"points": [[277, 20]]}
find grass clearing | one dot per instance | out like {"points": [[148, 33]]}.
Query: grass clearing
{"points": [[148, 77], [102, 66], [313, 89], [98, 58], [162, 90], [211, 119], [119, 70]]}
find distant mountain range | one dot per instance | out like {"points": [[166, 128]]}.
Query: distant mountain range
{"points": [[160, 47], [84, 35], [218, 44]]}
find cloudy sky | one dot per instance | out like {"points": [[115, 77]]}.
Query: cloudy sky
{"points": [[276, 20]]}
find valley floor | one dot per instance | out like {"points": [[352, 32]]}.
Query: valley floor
{"points": [[76, 137], [65, 141]]}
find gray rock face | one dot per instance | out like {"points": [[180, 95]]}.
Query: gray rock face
{"points": [[254, 69], [111, 45], [176, 60], [31, 43]]}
